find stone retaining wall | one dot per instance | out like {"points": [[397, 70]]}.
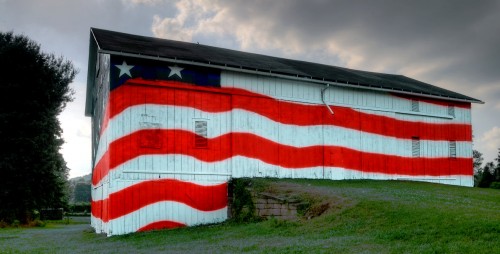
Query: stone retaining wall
{"points": [[268, 205]]}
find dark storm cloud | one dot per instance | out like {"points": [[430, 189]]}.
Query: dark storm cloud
{"points": [[463, 34]]}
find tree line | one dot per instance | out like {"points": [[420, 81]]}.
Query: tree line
{"points": [[34, 89], [487, 176]]}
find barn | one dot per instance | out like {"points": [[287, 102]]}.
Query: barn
{"points": [[173, 122]]}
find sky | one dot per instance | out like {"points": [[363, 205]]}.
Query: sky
{"points": [[452, 44]]}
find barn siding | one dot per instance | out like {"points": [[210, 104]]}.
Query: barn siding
{"points": [[257, 127], [99, 144], [371, 103]]}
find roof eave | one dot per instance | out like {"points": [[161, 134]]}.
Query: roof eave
{"points": [[93, 51]]}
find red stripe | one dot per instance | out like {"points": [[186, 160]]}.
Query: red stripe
{"points": [[244, 144], [161, 225], [101, 169], [123, 202], [466, 105], [280, 111]]}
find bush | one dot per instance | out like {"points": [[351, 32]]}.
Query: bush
{"points": [[16, 223], [243, 207], [495, 185], [3, 224], [51, 214], [36, 223], [82, 207]]}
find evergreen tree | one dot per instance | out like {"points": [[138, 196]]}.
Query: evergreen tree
{"points": [[496, 172], [82, 192], [487, 175], [34, 89], [476, 163]]}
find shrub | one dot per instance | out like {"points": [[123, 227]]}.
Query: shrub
{"points": [[495, 185], [3, 224], [243, 207], [16, 223], [81, 207], [36, 223]]}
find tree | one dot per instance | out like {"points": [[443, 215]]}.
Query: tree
{"points": [[34, 89], [496, 171], [476, 163], [82, 192], [487, 175]]}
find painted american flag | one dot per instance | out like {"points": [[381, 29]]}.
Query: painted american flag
{"points": [[173, 135]]}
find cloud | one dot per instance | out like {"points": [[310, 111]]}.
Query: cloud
{"points": [[432, 41], [490, 143], [145, 2]]}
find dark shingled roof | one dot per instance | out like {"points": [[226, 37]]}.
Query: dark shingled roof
{"points": [[141, 46]]}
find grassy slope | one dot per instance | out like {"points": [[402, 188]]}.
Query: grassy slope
{"points": [[374, 217]]}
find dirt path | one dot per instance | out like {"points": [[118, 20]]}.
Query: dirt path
{"points": [[54, 238]]}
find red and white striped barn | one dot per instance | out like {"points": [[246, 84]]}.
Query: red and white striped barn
{"points": [[172, 122]]}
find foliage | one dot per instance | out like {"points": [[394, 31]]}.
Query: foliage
{"points": [[36, 223], [486, 175], [34, 89], [80, 207], [79, 189], [496, 171], [489, 175], [82, 192], [243, 207], [477, 161]]}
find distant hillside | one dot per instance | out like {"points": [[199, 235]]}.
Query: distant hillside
{"points": [[81, 179], [79, 189]]}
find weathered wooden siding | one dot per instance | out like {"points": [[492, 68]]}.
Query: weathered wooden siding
{"points": [[100, 143], [166, 149], [420, 115], [151, 147]]}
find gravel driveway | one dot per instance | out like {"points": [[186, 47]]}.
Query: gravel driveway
{"points": [[76, 237]]}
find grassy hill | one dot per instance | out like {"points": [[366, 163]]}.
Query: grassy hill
{"points": [[363, 217]]}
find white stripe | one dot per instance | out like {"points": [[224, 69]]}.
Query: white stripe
{"points": [[295, 91], [244, 121], [121, 173], [166, 210], [173, 166]]}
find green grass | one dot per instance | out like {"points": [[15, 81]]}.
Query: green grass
{"points": [[373, 217]]}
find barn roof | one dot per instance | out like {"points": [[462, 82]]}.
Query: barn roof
{"points": [[183, 52]]}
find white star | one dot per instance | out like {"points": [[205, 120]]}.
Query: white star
{"points": [[124, 69], [175, 70]]}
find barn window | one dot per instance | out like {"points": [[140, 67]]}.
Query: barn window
{"points": [[200, 129], [415, 107], [415, 147], [451, 110], [453, 149]]}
